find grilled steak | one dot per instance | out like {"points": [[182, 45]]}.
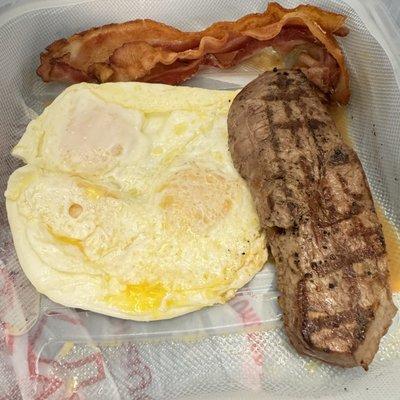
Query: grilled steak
{"points": [[313, 199]]}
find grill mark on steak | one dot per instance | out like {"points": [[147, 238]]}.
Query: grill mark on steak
{"points": [[288, 96], [360, 318], [293, 126], [313, 199], [313, 124], [276, 147]]}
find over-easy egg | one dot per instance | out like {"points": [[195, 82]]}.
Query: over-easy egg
{"points": [[129, 204]]}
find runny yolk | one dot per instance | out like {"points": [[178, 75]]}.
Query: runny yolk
{"points": [[95, 192], [143, 297]]}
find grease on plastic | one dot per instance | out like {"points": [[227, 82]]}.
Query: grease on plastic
{"points": [[265, 60], [339, 115], [392, 240]]}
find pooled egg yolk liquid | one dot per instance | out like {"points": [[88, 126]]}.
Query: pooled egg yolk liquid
{"points": [[143, 297]]}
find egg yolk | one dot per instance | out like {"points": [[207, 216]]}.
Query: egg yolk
{"points": [[66, 239], [97, 134], [95, 192], [195, 199], [143, 297]]}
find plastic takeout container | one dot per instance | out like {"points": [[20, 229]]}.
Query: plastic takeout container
{"points": [[237, 350]]}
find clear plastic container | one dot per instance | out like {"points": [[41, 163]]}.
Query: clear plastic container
{"points": [[237, 350]]}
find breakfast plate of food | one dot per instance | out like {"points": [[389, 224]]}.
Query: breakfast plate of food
{"points": [[226, 189]]}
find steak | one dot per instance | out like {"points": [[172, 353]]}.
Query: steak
{"points": [[315, 204]]}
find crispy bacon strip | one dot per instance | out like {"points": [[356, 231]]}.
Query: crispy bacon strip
{"points": [[146, 50]]}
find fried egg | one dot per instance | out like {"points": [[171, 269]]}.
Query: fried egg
{"points": [[129, 204]]}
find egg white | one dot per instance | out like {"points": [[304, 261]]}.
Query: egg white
{"points": [[129, 204]]}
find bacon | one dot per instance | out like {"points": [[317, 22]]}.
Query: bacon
{"points": [[146, 50]]}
